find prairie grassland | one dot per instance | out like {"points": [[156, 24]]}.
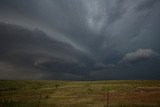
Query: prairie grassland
{"points": [[121, 93]]}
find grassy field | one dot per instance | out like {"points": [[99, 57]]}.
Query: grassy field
{"points": [[79, 93]]}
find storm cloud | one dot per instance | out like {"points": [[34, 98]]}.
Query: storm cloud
{"points": [[79, 39], [139, 55]]}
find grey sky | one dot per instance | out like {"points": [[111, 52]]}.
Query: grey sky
{"points": [[79, 39]]}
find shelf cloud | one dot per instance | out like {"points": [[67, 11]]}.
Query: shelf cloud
{"points": [[79, 39]]}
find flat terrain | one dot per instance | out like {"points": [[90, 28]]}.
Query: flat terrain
{"points": [[79, 93]]}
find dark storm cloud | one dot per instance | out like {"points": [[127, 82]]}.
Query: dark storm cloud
{"points": [[145, 4], [83, 39], [34, 50]]}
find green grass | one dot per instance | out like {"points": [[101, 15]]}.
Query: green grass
{"points": [[79, 93]]}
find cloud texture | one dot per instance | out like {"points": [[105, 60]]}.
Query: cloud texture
{"points": [[139, 55], [79, 39]]}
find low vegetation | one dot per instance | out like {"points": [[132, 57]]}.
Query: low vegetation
{"points": [[79, 93]]}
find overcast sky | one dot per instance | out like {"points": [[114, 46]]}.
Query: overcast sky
{"points": [[80, 39]]}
